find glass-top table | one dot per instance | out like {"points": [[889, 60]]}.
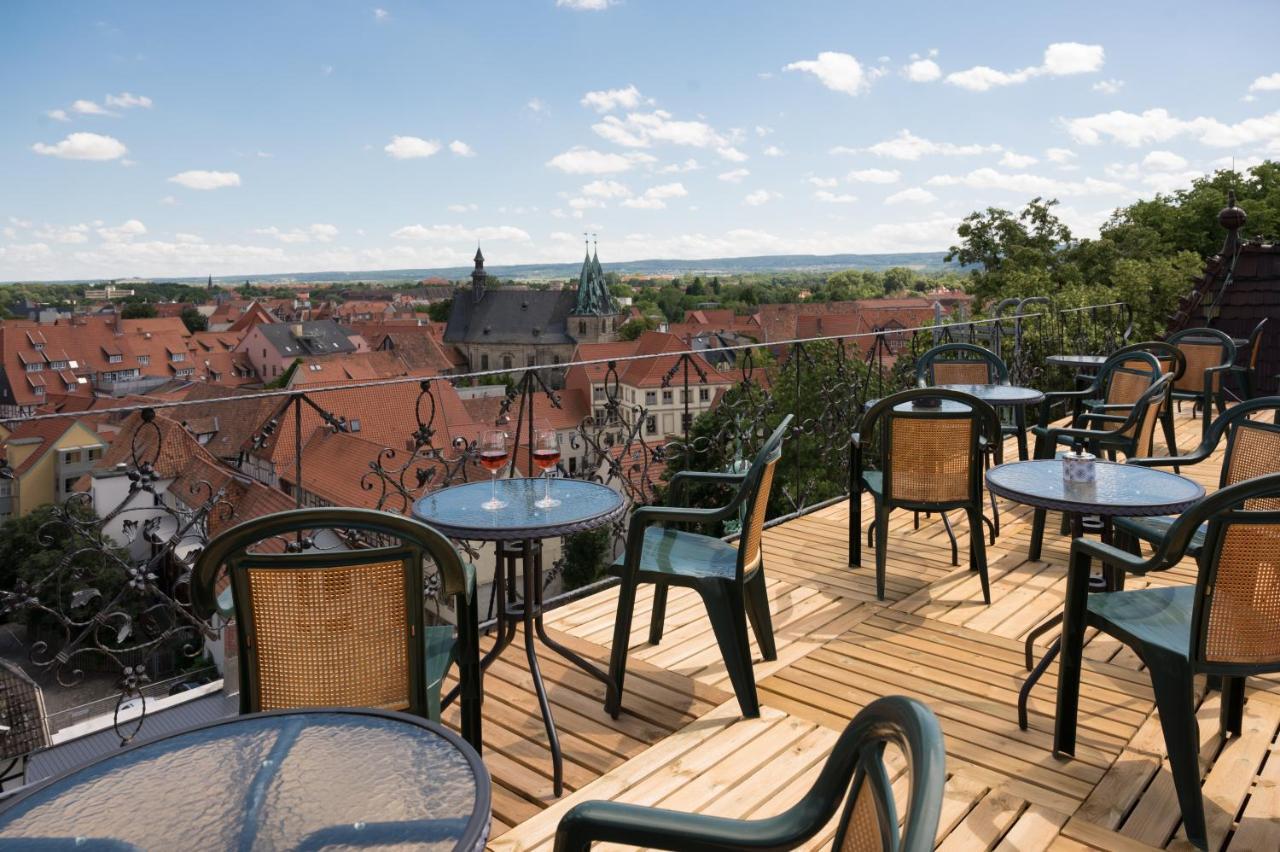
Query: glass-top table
{"points": [[1079, 362], [285, 780], [517, 530], [998, 394], [1118, 490]]}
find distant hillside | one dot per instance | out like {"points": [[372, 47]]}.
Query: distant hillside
{"points": [[930, 260]]}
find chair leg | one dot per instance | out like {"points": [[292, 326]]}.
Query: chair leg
{"points": [[1037, 534], [729, 623], [621, 638], [882, 547], [756, 598], [978, 552], [1174, 691], [1231, 717], [995, 519], [659, 613], [855, 519], [951, 534], [1170, 434]]}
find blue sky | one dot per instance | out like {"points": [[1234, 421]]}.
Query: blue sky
{"points": [[232, 138]]}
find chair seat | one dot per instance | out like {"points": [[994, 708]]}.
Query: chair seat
{"points": [[669, 553], [441, 653], [1153, 530], [1147, 618], [873, 480]]}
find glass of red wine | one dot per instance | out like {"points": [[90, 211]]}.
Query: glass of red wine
{"points": [[546, 453], [493, 457]]}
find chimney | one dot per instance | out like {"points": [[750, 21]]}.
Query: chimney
{"points": [[296, 329]]}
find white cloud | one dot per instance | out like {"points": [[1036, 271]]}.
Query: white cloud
{"points": [[873, 176], [319, 232], [922, 71], [123, 232], [83, 146], [411, 147], [1164, 161], [201, 179], [463, 208], [586, 161], [1269, 83], [128, 100], [840, 72], [1060, 59], [1108, 87], [762, 130], [381, 15], [828, 197], [654, 198], [732, 154], [462, 149], [58, 115], [585, 203], [188, 239], [1017, 161], [607, 100], [605, 189], [85, 107], [689, 165], [760, 196], [911, 195], [1029, 184], [644, 129], [536, 106], [65, 235], [773, 151], [734, 176], [585, 5], [458, 233], [907, 146], [824, 183], [1060, 155], [1158, 125]]}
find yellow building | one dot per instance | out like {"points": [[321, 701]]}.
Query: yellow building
{"points": [[46, 458]]}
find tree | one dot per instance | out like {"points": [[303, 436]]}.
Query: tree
{"points": [[631, 329], [193, 319], [138, 310], [439, 311], [584, 557]]}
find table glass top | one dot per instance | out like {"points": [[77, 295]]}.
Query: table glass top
{"points": [[267, 782], [1077, 360], [999, 394], [947, 406], [1118, 489], [458, 511]]}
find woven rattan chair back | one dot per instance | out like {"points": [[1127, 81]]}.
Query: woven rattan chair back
{"points": [[960, 364], [1240, 603], [1204, 349], [1253, 450], [330, 637], [759, 481], [863, 829], [1145, 427], [1255, 344], [930, 458]]}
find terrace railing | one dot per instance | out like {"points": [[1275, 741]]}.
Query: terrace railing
{"points": [[117, 598]]}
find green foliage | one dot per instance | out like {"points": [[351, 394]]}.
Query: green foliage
{"points": [[138, 310], [585, 554], [631, 329], [34, 547], [439, 311], [194, 320], [282, 380]]}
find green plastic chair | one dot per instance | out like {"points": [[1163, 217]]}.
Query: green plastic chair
{"points": [[854, 773], [1247, 372], [1227, 625], [1253, 449], [931, 460], [1210, 354], [1108, 399], [342, 628], [729, 579], [1172, 360]]}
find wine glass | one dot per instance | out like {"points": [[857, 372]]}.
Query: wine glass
{"points": [[493, 456], [546, 452]]}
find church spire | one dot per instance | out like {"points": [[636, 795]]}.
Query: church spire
{"points": [[594, 298], [478, 276]]}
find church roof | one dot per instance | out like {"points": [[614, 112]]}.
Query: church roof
{"points": [[594, 298], [511, 316]]}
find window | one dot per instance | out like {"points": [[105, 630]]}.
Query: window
{"points": [[600, 415], [144, 360], [484, 362], [57, 365], [35, 367], [684, 395], [582, 326], [177, 356], [531, 360], [71, 457], [507, 362], [573, 465], [704, 394], [555, 359], [650, 397], [597, 393], [651, 425], [69, 484], [114, 359], [666, 396], [95, 453], [686, 421]]}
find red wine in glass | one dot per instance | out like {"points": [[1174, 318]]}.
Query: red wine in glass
{"points": [[546, 452], [493, 460], [546, 459], [493, 456]]}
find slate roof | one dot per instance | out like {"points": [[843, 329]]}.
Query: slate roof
{"points": [[320, 337], [511, 316]]}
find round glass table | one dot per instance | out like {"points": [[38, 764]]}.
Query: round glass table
{"points": [[1119, 490], [1016, 397], [1076, 362], [283, 780], [517, 530]]}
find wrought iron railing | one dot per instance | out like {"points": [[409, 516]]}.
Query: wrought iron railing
{"points": [[117, 597]]}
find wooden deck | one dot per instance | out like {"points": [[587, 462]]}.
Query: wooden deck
{"points": [[680, 742]]}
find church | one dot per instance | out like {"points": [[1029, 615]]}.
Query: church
{"points": [[508, 328]]}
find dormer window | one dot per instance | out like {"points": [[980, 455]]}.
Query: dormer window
{"points": [[35, 367], [144, 360], [115, 359], [177, 356]]}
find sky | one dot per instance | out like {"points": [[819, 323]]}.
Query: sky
{"points": [[162, 139]]}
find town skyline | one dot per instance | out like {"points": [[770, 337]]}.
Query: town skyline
{"points": [[394, 136]]}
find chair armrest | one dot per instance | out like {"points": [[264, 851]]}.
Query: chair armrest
{"points": [[659, 828], [1115, 556], [688, 477], [646, 515], [1069, 432]]}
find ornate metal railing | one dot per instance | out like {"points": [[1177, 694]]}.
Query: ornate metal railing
{"points": [[114, 598]]}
